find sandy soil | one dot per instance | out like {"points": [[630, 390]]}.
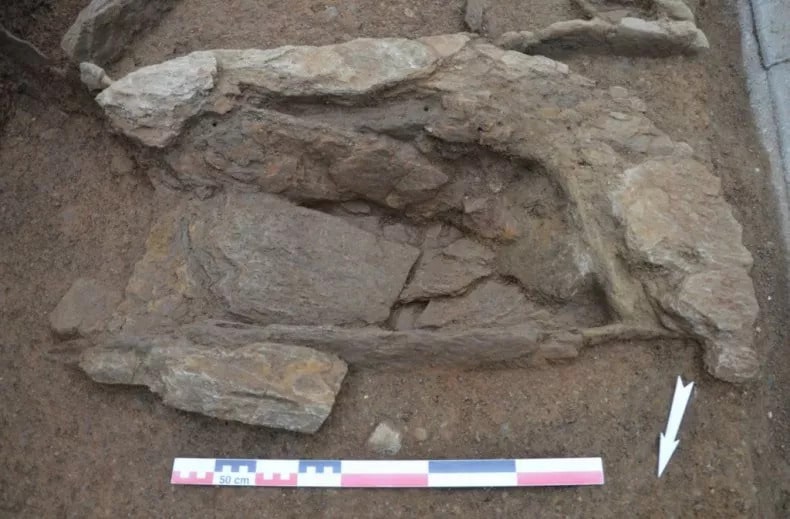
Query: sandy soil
{"points": [[71, 204]]}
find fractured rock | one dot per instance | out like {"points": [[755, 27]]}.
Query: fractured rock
{"points": [[448, 271], [272, 262], [276, 385], [84, 309], [261, 258], [490, 303], [105, 28]]}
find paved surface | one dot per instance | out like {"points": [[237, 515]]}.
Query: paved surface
{"points": [[766, 54]]}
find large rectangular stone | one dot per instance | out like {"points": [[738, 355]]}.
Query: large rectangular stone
{"points": [[772, 20]]}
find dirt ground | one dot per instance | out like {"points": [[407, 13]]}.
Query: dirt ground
{"points": [[71, 205]]}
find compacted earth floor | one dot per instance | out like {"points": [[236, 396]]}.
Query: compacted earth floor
{"points": [[73, 203]]}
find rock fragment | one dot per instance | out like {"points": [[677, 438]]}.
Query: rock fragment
{"points": [[94, 77], [84, 309], [385, 439], [104, 28]]}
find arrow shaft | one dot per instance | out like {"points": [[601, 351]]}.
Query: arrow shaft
{"points": [[679, 403]]}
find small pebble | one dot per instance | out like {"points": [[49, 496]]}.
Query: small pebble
{"points": [[420, 434], [385, 439]]}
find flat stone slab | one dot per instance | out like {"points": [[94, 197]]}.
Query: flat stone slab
{"points": [[260, 258], [276, 385], [772, 21]]}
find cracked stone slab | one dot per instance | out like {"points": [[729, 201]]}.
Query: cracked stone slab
{"points": [[275, 385], [448, 271], [261, 258]]}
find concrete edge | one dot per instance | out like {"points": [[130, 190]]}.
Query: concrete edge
{"points": [[764, 110]]}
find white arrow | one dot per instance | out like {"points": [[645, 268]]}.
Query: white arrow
{"points": [[667, 442]]}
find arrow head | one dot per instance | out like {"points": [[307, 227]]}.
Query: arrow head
{"points": [[666, 448]]}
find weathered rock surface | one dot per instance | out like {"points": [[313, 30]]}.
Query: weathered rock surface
{"points": [[374, 347], [449, 271], [105, 27], [84, 309], [534, 165], [152, 104], [675, 218], [276, 385]]}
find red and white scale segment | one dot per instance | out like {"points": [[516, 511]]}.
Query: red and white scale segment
{"points": [[388, 473]]}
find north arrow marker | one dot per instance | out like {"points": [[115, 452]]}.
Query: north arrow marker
{"points": [[667, 441]]}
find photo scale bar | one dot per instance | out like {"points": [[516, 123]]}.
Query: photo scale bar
{"points": [[468, 473]]}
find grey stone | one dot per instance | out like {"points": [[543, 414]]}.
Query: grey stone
{"points": [[385, 439], [276, 385], [772, 21], [660, 36], [448, 271], [94, 77], [332, 69], [84, 309], [490, 303], [675, 9], [627, 36], [152, 104], [420, 434], [106, 27]]}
